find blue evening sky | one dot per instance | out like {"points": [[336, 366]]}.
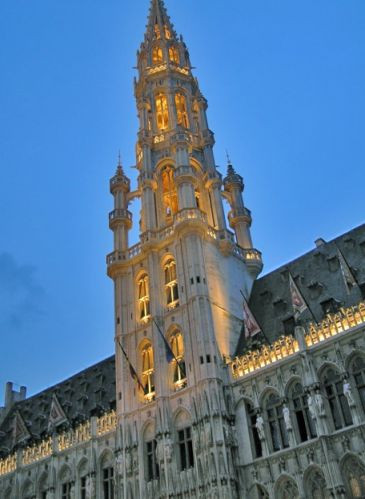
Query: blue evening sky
{"points": [[285, 83]]}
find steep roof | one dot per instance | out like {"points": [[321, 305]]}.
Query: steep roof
{"points": [[87, 393]]}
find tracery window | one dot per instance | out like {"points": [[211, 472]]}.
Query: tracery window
{"points": [[354, 476], [181, 110], [153, 471], [255, 439], [108, 483], [262, 493], [66, 490], [186, 449], [144, 297], [275, 419], [162, 112], [358, 373], [337, 401], [157, 55], [157, 31], [304, 422], [169, 193], [167, 32], [177, 347], [316, 486], [174, 55], [148, 371], [171, 287], [287, 490]]}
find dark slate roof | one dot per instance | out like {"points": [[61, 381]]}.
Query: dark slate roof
{"points": [[90, 392], [319, 278]]}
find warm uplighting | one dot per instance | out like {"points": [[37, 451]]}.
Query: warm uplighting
{"points": [[162, 112]]}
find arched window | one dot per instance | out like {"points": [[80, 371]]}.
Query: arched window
{"points": [[169, 193], [358, 373], [177, 347], [65, 483], [181, 110], [275, 419], [337, 401], [304, 422], [167, 32], [107, 479], [157, 55], [354, 476], [152, 471], [148, 371], [316, 486], [255, 439], [260, 493], [171, 287], [43, 487], [28, 491], [162, 112], [174, 55], [287, 489], [143, 297], [157, 31]]}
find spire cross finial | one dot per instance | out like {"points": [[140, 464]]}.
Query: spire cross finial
{"points": [[228, 158], [119, 159]]}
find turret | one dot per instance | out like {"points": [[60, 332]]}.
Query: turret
{"points": [[120, 219]]}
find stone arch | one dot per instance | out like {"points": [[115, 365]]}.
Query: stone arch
{"points": [[286, 488], [27, 489], [290, 383], [325, 366], [258, 491], [315, 483], [161, 164], [42, 482], [148, 430], [357, 352], [106, 458], [181, 417], [266, 392], [353, 474], [64, 473], [82, 466]]}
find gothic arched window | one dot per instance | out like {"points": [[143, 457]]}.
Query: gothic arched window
{"points": [[148, 371], [337, 401], [167, 32], [316, 486], [162, 112], [255, 439], [174, 55], [171, 287], [287, 489], [169, 193], [304, 422], [358, 373], [177, 347], [354, 476], [181, 110], [143, 297], [157, 55], [157, 31], [275, 420]]}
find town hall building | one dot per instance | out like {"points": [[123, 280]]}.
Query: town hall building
{"points": [[223, 384]]}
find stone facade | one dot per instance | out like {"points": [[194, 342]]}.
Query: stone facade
{"points": [[191, 406]]}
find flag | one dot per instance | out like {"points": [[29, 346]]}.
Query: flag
{"points": [[346, 272], [251, 326], [298, 302], [132, 371], [169, 353]]}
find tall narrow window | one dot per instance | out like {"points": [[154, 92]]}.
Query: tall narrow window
{"points": [[66, 490], [337, 401], [174, 55], [169, 193], [171, 288], [255, 439], [153, 471], [148, 371], [275, 418], [316, 486], [304, 422], [144, 298], [177, 347], [162, 112], [181, 110], [83, 488], [358, 372], [157, 55], [108, 483], [186, 449]]}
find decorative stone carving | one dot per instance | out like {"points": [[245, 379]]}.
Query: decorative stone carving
{"points": [[311, 407], [347, 391], [260, 426], [287, 420], [319, 403], [119, 464], [90, 487]]}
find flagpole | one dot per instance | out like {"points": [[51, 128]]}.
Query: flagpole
{"points": [[167, 346], [131, 368], [262, 331]]}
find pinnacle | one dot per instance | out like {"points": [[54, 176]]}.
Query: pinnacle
{"points": [[159, 23]]}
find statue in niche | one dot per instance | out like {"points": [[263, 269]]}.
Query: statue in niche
{"points": [[260, 426], [119, 464], [311, 407], [90, 487], [169, 448], [160, 451], [319, 402], [347, 391], [287, 420]]}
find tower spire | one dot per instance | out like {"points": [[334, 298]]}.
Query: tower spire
{"points": [[159, 25]]}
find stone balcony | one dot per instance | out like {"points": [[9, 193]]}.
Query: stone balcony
{"points": [[120, 216]]}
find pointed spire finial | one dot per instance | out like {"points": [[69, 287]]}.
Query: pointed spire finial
{"points": [[119, 166]]}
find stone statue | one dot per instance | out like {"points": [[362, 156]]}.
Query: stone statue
{"points": [[160, 451], [169, 448], [287, 420], [319, 402], [72, 491], [90, 489], [260, 426], [128, 461], [311, 407], [347, 391], [119, 463]]}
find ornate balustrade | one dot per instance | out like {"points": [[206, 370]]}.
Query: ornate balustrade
{"points": [[74, 437], [333, 324], [8, 464], [37, 452], [106, 423]]}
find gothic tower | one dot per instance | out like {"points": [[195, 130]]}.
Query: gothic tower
{"points": [[177, 292]]}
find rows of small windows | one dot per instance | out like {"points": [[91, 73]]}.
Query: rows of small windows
{"points": [[302, 410], [170, 285], [315, 485]]}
